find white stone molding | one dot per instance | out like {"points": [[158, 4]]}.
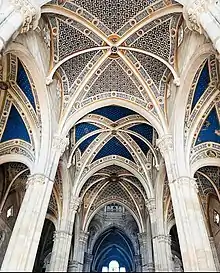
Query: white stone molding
{"points": [[165, 144], [163, 238], [59, 234], [75, 203], [30, 12], [191, 13], [37, 178], [60, 143], [151, 205], [186, 181], [83, 237]]}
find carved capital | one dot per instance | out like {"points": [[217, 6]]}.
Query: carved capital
{"points": [[60, 143], [142, 237], [186, 181], [163, 238], [165, 144], [30, 11], [151, 205], [83, 237], [192, 11], [61, 234], [36, 179], [74, 203]]}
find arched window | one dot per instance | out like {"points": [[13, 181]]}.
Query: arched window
{"points": [[113, 267]]}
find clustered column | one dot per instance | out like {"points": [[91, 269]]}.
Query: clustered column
{"points": [[161, 242], [194, 242], [83, 238], [62, 241], [204, 15], [146, 252], [17, 16], [28, 226]]}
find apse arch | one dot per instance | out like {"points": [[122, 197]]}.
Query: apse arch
{"points": [[88, 221], [99, 233], [66, 125], [124, 245]]}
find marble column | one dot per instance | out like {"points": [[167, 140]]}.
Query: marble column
{"points": [[193, 237], [83, 239], [214, 252], [203, 16], [161, 242], [137, 262], [146, 252], [88, 262], [62, 241], [23, 244], [17, 16]]}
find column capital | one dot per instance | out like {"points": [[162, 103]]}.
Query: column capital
{"points": [[58, 234], [36, 178], [74, 203], [163, 238], [165, 144], [60, 143], [142, 237], [187, 181], [30, 12], [151, 205], [192, 11], [83, 236]]}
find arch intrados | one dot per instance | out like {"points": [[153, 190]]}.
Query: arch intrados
{"points": [[86, 225], [102, 165], [107, 249], [65, 126], [17, 158], [215, 162], [105, 234], [119, 227], [36, 73]]}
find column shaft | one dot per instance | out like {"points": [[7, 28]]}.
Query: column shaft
{"points": [[63, 239], [194, 242], [22, 248]]}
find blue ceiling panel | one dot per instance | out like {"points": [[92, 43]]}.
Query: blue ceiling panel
{"points": [[85, 144], [83, 129], [143, 129], [210, 130], [114, 112], [144, 147], [202, 84], [24, 84], [114, 147], [15, 127]]}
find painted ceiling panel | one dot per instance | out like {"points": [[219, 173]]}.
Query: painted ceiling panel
{"points": [[113, 112], [15, 127], [85, 144], [84, 128], [24, 84], [114, 13], [114, 147], [144, 147], [143, 129], [202, 84], [210, 130]]}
